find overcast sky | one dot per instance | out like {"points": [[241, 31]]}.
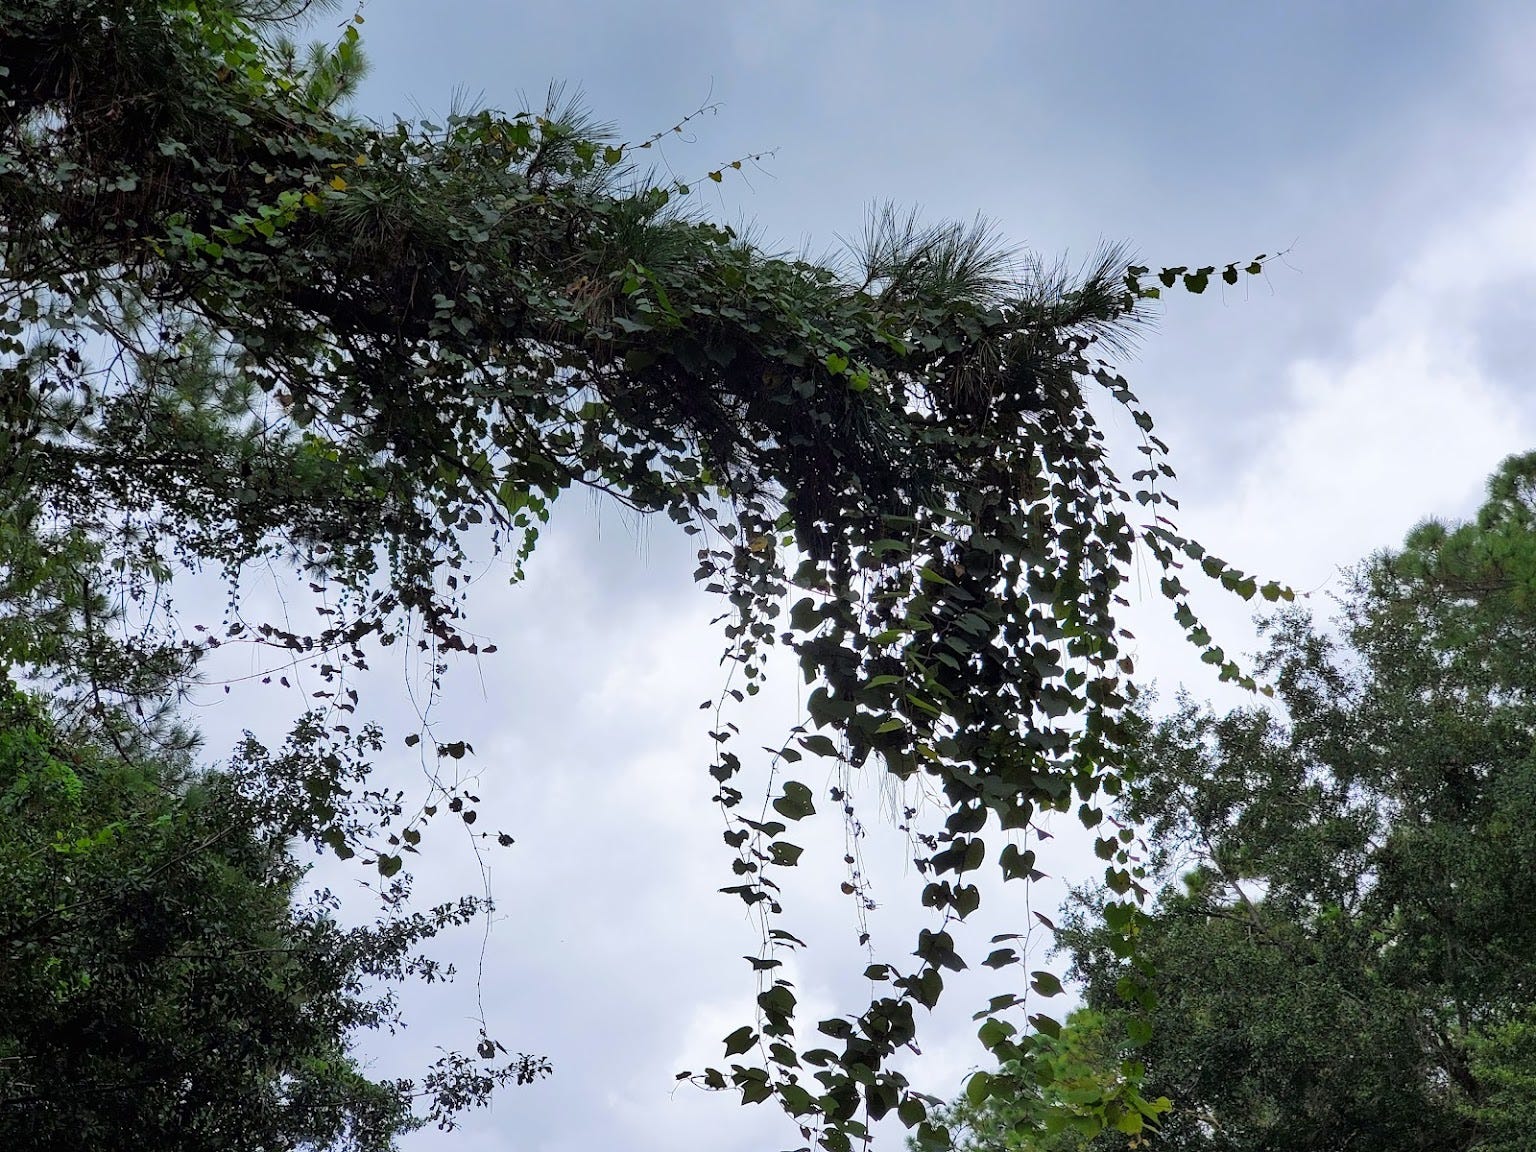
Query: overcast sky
{"points": [[1375, 377]]}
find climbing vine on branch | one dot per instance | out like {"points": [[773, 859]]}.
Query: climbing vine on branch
{"points": [[357, 348]]}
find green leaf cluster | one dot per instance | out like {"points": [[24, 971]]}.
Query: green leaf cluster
{"points": [[1078, 1087]]}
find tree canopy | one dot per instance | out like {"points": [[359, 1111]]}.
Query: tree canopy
{"points": [[241, 326], [1342, 948], [164, 981]]}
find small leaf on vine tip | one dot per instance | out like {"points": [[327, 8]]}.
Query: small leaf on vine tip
{"points": [[819, 745], [796, 803], [1045, 983], [978, 1088], [993, 1032], [785, 854], [740, 1040]]}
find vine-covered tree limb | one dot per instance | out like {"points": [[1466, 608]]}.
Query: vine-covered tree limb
{"points": [[239, 324]]}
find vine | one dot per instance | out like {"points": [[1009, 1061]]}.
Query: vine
{"points": [[347, 347]]}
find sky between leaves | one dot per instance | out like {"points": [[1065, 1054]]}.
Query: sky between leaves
{"points": [[1376, 376]]}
